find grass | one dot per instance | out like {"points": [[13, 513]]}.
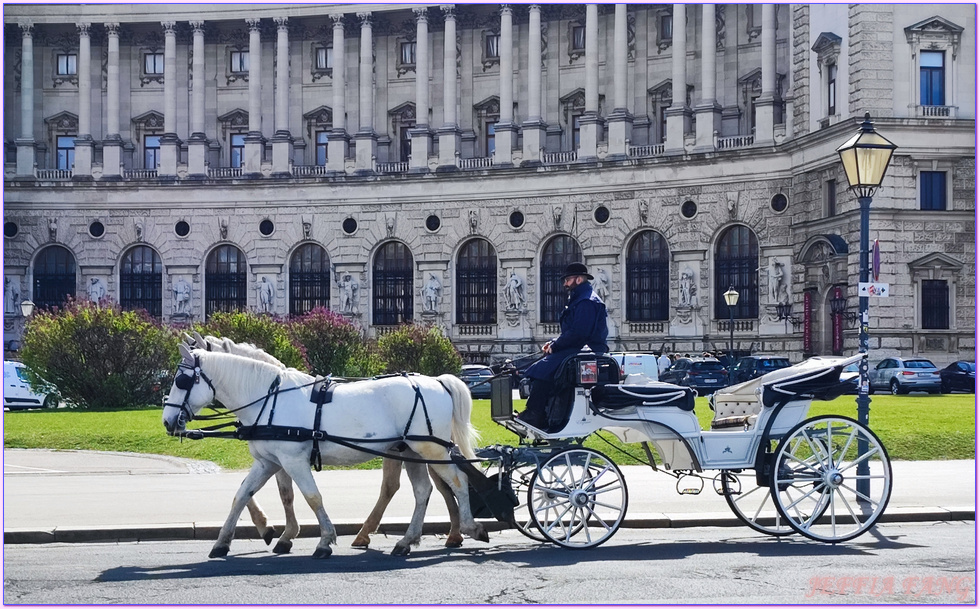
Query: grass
{"points": [[912, 427]]}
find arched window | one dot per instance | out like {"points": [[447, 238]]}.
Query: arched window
{"points": [[647, 278], [309, 279], [476, 283], [392, 288], [737, 266], [558, 253], [225, 281], [141, 280], [54, 277]]}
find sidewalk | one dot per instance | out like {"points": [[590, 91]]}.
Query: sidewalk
{"points": [[79, 496]]}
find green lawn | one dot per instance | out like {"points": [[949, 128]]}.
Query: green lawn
{"points": [[912, 427]]}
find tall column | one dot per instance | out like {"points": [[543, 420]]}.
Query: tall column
{"points": [[450, 140], [765, 105], [708, 110], [535, 128], [84, 145], [620, 120], [197, 144], [365, 140], [282, 141], [590, 122], [678, 115], [25, 143], [169, 142], [112, 144], [338, 139], [421, 135], [254, 142], [505, 131]]}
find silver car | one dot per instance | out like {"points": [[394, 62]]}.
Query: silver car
{"points": [[901, 375]]}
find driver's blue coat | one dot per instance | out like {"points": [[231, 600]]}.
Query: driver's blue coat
{"points": [[582, 323]]}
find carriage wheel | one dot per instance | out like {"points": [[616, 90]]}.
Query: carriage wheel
{"points": [[752, 504], [578, 498], [816, 478], [520, 480]]}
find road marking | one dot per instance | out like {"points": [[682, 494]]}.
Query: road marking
{"points": [[24, 469]]}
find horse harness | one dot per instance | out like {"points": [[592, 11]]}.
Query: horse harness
{"points": [[322, 393]]}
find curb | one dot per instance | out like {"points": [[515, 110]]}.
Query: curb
{"points": [[209, 531]]}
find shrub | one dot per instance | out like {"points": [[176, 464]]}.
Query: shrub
{"points": [[334, 345], [99, 356], [414, 348], [264, 331]]}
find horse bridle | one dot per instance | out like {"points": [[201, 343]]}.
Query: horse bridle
{"points": [[188, 376]]}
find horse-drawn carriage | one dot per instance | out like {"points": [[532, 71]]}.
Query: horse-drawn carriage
{"points": [[826, 477]]}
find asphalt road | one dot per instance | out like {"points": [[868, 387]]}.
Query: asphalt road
{"points": [[919, 563]]}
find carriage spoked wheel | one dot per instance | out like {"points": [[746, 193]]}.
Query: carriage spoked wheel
{"points": [[578, 498], [831, 478], [520, 480], [752, 503]]}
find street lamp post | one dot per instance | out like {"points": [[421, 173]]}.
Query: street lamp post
{"points": [[865, 158], [27, 308], [731, 299]]}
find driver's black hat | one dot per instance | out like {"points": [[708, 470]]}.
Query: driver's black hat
{"points": [[576, 268]]}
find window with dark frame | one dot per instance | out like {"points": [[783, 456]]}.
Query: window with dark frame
{"points": [[237, 149], [405, 143], [321, 148], [666, 26], [932, 190], [408, 53], [830, 198], [476, 283], [239, 62], [151, 151], [66, 152], [576, 131], [492, 48], [309, 279], [737, 266], [578, 37], [324, 58], [54, 277], [832, 89], [141, 281], [67, 64], [489, 135], [932, 78], [935, 304], [225, 281], [648, 278], [153, 63], [392, 285], [558, 253]]}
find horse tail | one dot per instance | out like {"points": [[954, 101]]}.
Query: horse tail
{"points": [[462, 432]]}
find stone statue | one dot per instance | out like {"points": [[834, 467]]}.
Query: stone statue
{"points": [[556, 212], [307, 228], [11, 295], [267, 295], [348, 294], [601, 285], [223, 228], [777, 288], [139, 230], [182, 297], [431, 292], [514, 292], [688, 289], [96, 289], [474, 220], [53, 229], [390, 225], [644, 206]]}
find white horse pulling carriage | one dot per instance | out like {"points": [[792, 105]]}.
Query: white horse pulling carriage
{"points": [[828, 477]]}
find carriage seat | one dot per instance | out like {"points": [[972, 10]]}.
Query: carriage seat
{"points": [[662, 395], [735, 413]]}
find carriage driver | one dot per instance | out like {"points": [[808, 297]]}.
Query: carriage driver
{"points": [[582, 323]]}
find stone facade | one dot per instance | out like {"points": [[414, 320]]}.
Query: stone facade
{"points": [[786, 187]]}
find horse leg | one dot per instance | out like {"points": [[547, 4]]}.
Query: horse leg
{"points": [[391, 471], [260, 521], [455, 538], [422, 488], [457, 481], [291, 531], [257, 476], [299, 470]]}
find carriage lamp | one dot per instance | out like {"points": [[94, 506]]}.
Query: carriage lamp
{"points": [[865, 158], [27, 308], [731, 298]]}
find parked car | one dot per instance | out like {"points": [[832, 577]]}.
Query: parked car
{"points": [[636, 363], [851, 376], [17, 393], [754, 366], [477, 378], [702, 374], [901, 375], [959, 376]]}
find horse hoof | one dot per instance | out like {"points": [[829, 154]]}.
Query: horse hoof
{"points": [[401, 551], [269, 536], [483, 536], [322, 553], [360, 542], [454, 542], [218, 552], [282, 547]]}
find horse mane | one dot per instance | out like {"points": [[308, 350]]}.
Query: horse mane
{"points": [[242, 377]]}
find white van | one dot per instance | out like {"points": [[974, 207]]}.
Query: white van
{"points": [[637, 363], [17, 393]]}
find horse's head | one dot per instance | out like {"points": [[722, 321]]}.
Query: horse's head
{"points": [[188, 394]]}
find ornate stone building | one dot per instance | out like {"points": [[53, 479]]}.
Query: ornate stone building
{"points": [[443, 163]]}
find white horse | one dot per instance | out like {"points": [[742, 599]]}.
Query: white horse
{"points": [[391, 469], [424, 412]]}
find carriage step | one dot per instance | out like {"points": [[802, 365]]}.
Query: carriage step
{"points": [[690, 491], [696, 482]]}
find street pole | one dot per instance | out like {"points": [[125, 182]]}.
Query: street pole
{"points": [[731, 343], [863, 398]]}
